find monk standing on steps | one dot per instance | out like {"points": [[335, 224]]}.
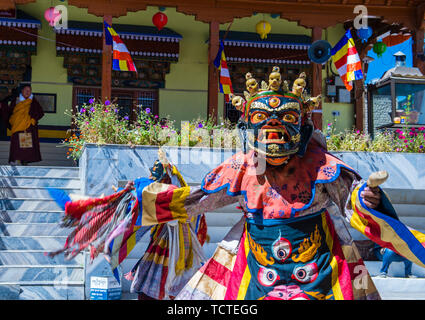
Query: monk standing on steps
{"points": [[21, 116]]}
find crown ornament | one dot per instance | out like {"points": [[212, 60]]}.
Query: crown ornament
{"points": [[276, 85]]}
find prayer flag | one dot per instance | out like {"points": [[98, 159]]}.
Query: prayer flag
{"points": [[121, 58], [347, 60], [225, 81]]}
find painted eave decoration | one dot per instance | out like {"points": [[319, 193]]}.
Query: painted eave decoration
{"points": [[276, 49], [20, 32], [144, 41]]}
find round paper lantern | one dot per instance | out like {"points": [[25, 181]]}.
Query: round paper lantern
{"points": [[52, 16], [364, 33], [159, 20], [379, 48], [263, 28]]}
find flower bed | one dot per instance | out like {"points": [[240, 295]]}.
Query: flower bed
{"points": [[101, 124], [401, 140]]}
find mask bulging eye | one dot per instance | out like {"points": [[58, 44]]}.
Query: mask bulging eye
{"points": [[305, 274], [281, 249], [288, 117], [258, 117], [267, 277]]}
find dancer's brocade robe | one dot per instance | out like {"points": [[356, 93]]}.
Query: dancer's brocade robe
{"points": [[292, 242]]}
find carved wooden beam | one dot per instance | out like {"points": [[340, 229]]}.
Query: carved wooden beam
{"points": [[322, 13]]}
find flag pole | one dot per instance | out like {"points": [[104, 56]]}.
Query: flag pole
{"points": [[106, 64]]}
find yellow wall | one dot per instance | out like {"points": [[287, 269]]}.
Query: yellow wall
{"points": [[48, 74], [344, 121], [185, 94]]}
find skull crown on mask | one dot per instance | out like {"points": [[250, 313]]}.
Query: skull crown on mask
{"points": [[275, 122]]}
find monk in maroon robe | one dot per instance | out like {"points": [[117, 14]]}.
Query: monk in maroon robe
{"points": [[21, 116]]}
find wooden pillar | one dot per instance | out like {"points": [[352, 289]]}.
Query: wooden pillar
{"points": [[317, 81], [359, 103], [106, 64], [214, 44], [418, 50], [359, 93]]}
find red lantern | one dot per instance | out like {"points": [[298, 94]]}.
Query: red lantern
{"points": [[159, 20], [52, 16]]}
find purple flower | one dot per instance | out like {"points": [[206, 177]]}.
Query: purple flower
{"points": [[148, 110], [82, 110], [126, 118], [421, 146], [92, 109], [91, 101], [107, 103], [200, 125], [116, 110]]}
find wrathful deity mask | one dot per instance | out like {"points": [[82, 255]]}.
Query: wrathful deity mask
{"points": [[275, 123]]}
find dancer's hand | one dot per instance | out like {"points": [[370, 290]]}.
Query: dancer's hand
{"points": [[371, 197], [130, 185]]}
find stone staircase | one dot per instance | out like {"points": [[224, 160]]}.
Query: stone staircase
{"points": [[52, 154], [29, 228]]}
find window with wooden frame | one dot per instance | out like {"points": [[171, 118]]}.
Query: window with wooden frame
{"points": [[130, 102]]}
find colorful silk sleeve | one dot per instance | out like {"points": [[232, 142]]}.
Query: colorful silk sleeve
{"points": [[384, 228], [165, 202]]}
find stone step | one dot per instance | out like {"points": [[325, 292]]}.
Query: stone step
{"points": [[43, 291], [396, 269], [410, 210], [28, 273], [38, 171], [47, 243], [31, 192], [223, 218], [26, 181], [9, 292], [129, 296], [405, 196], [22, 204], [34, 216], [417, 223], [400, 288], [52, 154], [33, 229], [36, 257]]}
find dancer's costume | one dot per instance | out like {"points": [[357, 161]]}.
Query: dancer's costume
{"points": [[292, 242]]}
